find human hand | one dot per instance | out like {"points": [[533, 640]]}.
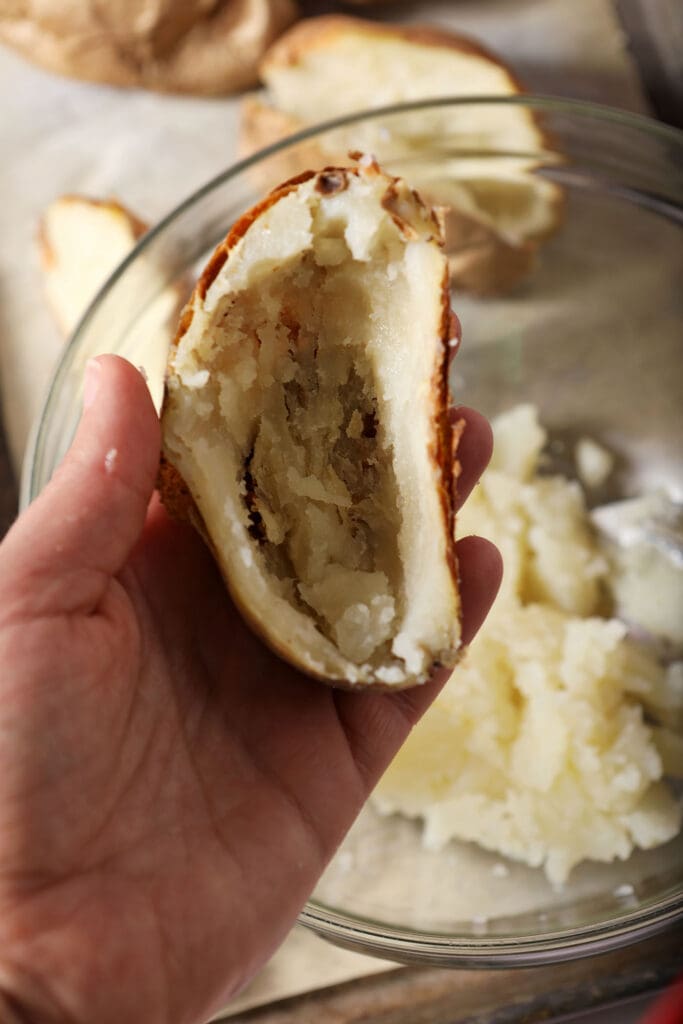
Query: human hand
{"points": [[170, 791]]}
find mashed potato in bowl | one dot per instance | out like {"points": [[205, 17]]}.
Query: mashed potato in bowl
{"points": [[547, 745]]}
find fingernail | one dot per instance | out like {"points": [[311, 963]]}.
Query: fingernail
{"points": [[91, 382]]}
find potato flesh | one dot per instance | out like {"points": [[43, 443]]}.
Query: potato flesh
{"points": [[317, 477], [539, 748]]}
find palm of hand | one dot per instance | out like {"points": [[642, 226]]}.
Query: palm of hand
{"points": [[178, 779], [184, 790]]}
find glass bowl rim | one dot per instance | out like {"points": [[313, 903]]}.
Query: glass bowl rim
{"points": [[356, 931], [585, 109], [411, 946]]}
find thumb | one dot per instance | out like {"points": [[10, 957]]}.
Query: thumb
{"points": [[80, 530]]}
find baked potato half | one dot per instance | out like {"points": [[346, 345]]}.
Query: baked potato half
{"points": [[306, 428]]}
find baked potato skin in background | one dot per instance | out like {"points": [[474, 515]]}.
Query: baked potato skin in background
{"points": [[192, 46]]}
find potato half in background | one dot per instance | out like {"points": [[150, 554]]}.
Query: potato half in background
{"points": [[498, 210], [186, 46], [81, 241], [306, 430]]}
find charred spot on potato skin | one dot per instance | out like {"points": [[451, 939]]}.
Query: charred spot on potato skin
{"points": [[331, 182], [369, 425], [256, 528]]}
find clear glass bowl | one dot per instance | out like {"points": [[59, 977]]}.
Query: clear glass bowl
{"points": [[593, 338]]}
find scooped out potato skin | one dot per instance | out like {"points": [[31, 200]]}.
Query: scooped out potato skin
{"points": [[318, 326]]}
